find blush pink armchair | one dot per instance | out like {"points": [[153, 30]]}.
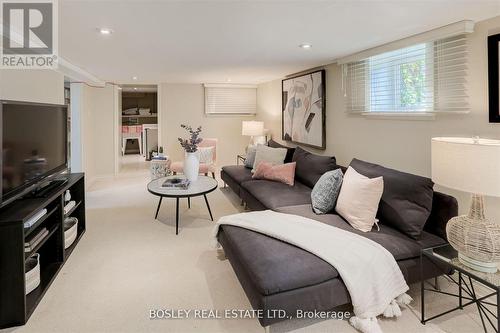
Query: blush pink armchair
{"points": [[178, 166]]}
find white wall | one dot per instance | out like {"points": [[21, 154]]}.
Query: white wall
{"points": [[185, 104], [33, 85], [400, 144], [93, 116]]}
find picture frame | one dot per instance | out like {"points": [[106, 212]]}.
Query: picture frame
{"points": [[493, 77], [303, 109]]}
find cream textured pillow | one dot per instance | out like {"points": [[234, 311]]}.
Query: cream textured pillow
{"points": [[206, 154], [267, 154], [359, 199]]}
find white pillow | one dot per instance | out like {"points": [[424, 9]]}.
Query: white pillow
{"points": [[206, 155], [359, 199], [267, 154]]}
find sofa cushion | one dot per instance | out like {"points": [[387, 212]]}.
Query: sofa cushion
{"points": [[289, 150], [268, 154], [326, 191], [359, 199], [250, 158], [398, 244], [284, 173], [239, 173], [275, 266], [407, 199], [273, 194], [311, 166]]}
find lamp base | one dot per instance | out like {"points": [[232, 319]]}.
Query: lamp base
{"points": [[481, 266]]}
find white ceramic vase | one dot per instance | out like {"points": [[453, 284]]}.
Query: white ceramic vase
{"points": [[191, 166]]}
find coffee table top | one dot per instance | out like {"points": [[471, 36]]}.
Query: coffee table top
{"points": [[202, 185]]}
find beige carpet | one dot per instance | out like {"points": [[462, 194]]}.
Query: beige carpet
{"points": [[128, 263]]}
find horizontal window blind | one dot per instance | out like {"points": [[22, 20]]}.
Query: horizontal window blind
{"points": [[230, 99], [426, 77]]}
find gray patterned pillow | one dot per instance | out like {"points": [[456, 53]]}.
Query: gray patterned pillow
{"points": [[326, 191], [250, 159]]}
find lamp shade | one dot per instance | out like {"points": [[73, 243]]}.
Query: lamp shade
{"points": [[252, 128], [467, 164]]}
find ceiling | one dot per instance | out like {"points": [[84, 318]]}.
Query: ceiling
{"points": [[239, 41]]}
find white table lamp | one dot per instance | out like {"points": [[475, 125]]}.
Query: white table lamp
{"points": [[471, 165], [253, 129]]}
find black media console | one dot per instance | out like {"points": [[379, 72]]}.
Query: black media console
{"points": [[15, 306]]}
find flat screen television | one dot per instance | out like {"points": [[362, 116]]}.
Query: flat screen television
{"points": [[34, 145]]}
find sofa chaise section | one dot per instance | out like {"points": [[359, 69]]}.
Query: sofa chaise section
{"points": [[279, 276]]}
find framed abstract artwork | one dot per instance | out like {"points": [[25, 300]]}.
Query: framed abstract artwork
{"points": [[303, 106], [493, 75]]}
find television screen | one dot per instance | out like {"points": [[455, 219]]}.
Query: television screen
{"points": [[34, 143]]}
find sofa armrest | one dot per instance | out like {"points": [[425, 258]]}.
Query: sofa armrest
{"points": [[444, 207]]}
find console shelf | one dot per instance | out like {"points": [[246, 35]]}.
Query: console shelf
{"points": [[15, 306], [72, 209], [27, 231]]}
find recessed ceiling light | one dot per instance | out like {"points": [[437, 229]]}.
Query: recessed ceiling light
{"points": [[228, 80], [305, 46], [105, 31], [135, 88], [134, 78]]}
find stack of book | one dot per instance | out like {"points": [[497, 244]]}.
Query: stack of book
{"points": [[34, 239], [69, 206], [179, 183], [35, 218]]}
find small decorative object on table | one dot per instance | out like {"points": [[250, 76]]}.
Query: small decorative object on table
{"points": [[471, 165], [191, 162], [160, 167], [180, 183]]}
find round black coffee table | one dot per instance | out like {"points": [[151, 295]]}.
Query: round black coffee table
{"points": [[201, 187]]}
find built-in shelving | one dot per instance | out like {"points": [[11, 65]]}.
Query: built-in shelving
{"points": [[75, 207], [15, 306], [52, 230], [29, 230]]}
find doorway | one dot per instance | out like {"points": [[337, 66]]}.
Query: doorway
{"points": [[139, 127]]}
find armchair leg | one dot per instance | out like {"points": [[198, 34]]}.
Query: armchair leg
{"points": [[213, 175], [206, 173], [174, 173]]}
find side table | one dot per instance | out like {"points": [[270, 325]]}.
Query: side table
{"points": [[445, 258], [160, 168], [241, 158]]}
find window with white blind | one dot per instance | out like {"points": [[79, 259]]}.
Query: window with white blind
{"points": [[422, 78], [230, 99]]}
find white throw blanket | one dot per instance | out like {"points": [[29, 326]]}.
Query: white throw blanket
{"points": [[370, 272]]}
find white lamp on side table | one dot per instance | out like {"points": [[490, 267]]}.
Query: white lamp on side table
{"points": [[254, 129], [471, 165]]}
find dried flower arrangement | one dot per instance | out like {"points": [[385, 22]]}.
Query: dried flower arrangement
{"points": [[191, 145]]}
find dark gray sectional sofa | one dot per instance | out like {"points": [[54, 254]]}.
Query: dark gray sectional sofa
{"points": [[276, 275]]}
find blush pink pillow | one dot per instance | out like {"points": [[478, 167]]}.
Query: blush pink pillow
{"points": [[284, 173]]}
